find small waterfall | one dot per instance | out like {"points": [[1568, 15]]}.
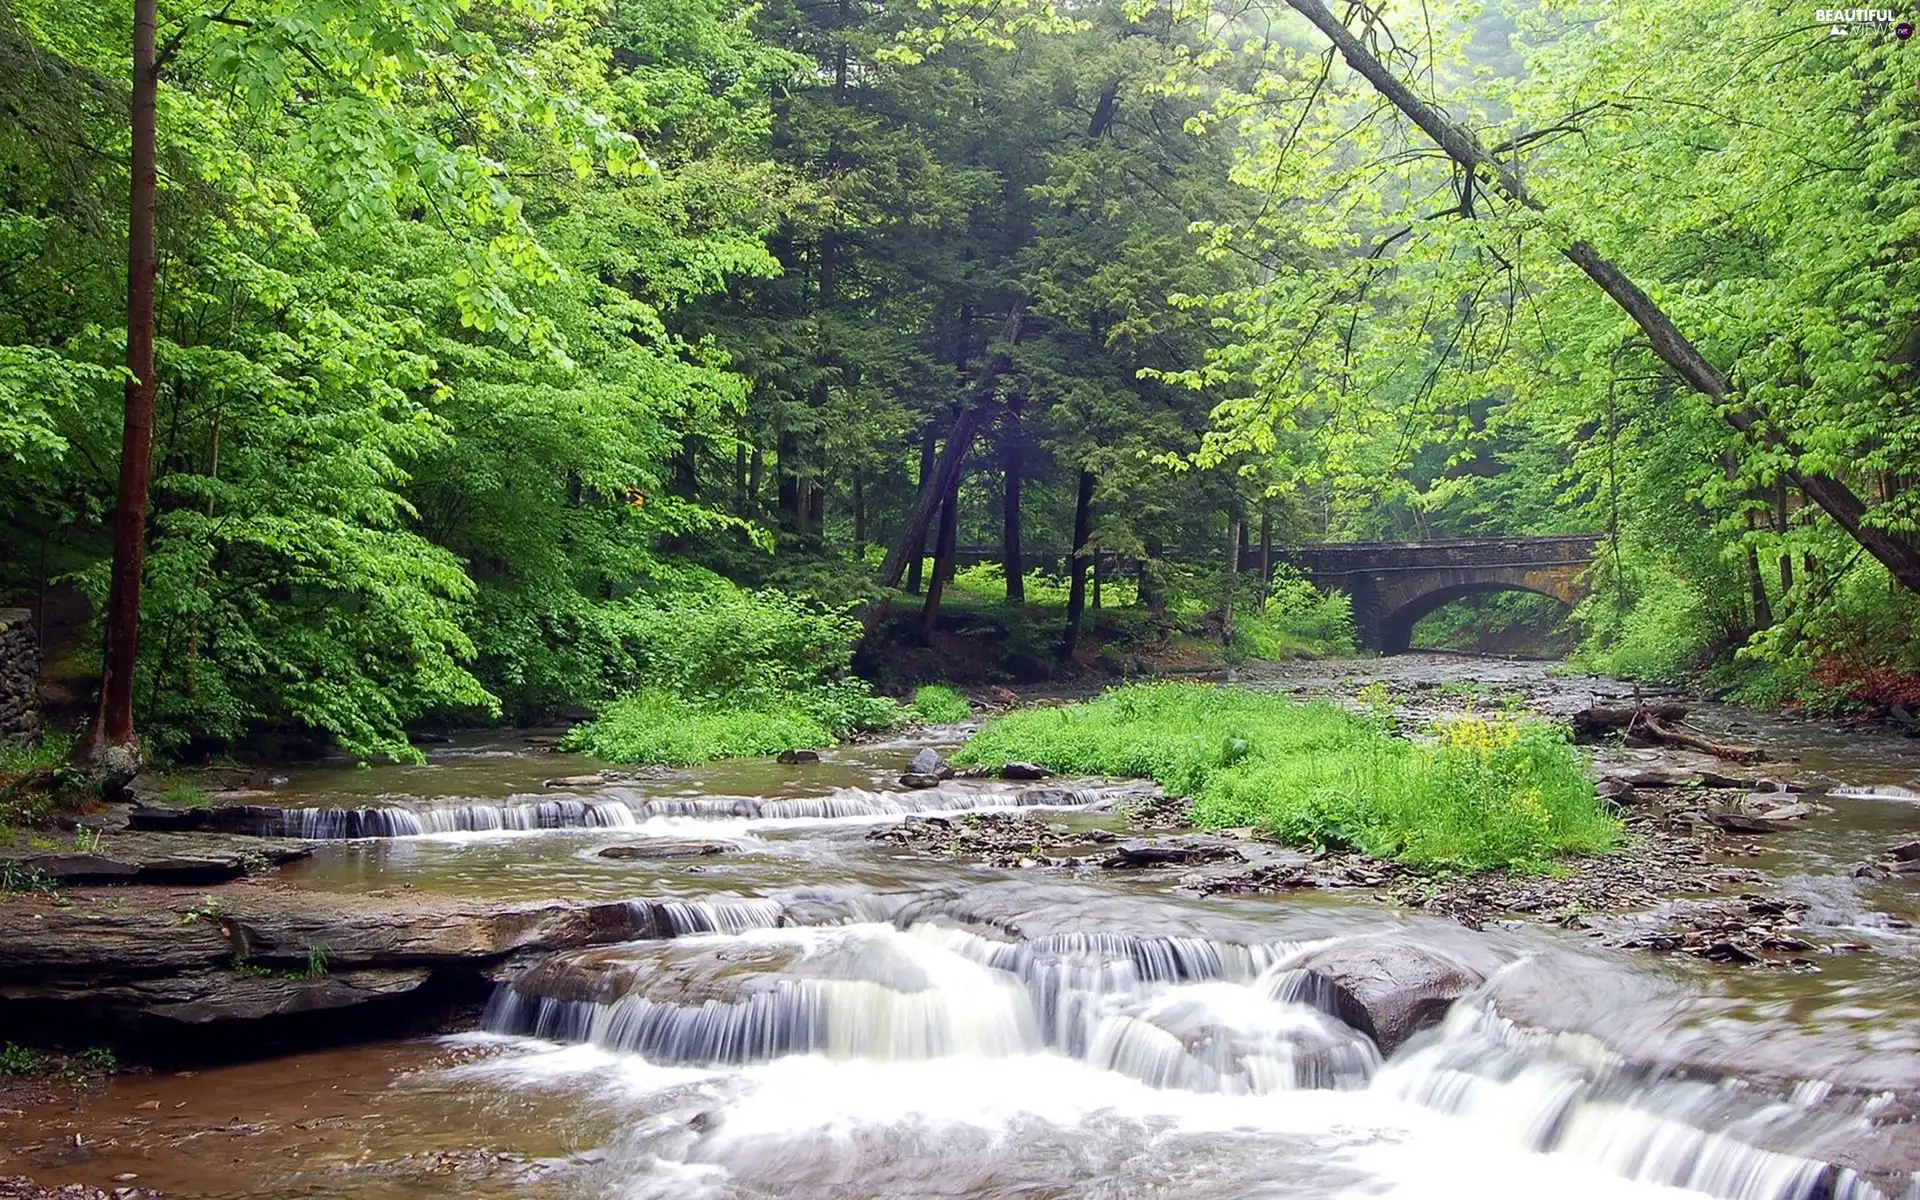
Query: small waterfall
{"points": [[1564, 1094], [626, 812], [332, 824], [1173, 1012]]}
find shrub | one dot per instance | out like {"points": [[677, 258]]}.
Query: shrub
{"points": [[1485, 793], [1299, 621], [656, 726], [938, 704]]}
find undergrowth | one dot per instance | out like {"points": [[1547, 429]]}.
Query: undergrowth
{"points": [[938, 704], [1482, 793], [658, 726]]}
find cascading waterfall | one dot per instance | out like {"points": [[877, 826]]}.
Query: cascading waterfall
{"points": [[1174, 1012], [332, 824], [1565, 1094], [1177, 1013]]}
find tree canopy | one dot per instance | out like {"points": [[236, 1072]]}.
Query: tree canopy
{"points": [[495, 342]]}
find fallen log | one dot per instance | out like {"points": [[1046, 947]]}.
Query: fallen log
{"points": [[1680, 737], [1598, 720]]}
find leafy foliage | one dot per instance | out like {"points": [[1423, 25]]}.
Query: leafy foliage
{"points": [[938, 704]]}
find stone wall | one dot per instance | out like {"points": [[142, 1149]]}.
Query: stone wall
{"points": [[19, 675]]}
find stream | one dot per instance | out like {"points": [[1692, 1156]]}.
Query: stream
{"points": [[838, 1016]]}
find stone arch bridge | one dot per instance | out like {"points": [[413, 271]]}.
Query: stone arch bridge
{"points": [[1394, 584]]}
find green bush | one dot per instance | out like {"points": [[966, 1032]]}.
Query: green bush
{"points": [[1485, 793], [657, 726], [938, 704], [1299, 621]]}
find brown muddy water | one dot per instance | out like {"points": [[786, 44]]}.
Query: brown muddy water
{"points": [[841, 1019]]}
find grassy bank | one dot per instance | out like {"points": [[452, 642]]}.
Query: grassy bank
{"points": [[1483, 793]]}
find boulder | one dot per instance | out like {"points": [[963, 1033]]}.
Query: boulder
{"points": [[1905, 851], [1385, 988], [1024, 772], [1745, 823], [668, 850], [794, 758], [1164, 854], [929, 762], [916, 782]]}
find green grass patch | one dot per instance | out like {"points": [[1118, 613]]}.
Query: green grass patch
{"points": [[1482, 793], [183, 795], [938, 704], [658, 726]]}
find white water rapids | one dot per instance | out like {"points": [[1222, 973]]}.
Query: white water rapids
{"points": [[887, 1060]]}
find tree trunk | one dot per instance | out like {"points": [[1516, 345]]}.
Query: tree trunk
{"points": [[1077, 589], [859, 512], [1236, 531], [756, 477], [1093, 568], [1010, 559], [946, 473], [1786, 555], [111, 747], [1266, 551], [1151, 596], [918, 564], [790, 503], [1756, 586], [943, 548], [1901, 558]]}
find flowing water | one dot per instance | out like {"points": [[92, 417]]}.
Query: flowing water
{"points": [[836, 1017]]}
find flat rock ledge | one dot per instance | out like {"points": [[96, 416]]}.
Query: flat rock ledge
{"points": [[181, 971]]}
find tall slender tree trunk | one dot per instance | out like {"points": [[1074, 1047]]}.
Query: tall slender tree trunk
{"points": [[859, 511], [111, 747], [1266, 551], [1011, 562], [1151, 594], [1780, 527], [1236, 546], [1757, 586], [1898, 554], [788, 467], [914, 568], [1077, 587], [943, 550]]}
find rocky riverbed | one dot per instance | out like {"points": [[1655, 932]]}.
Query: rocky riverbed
{"points": [[1770, 903]]}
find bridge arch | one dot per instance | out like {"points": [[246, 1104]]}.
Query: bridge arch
{"points": [[1394, 584], [1396, 628]]}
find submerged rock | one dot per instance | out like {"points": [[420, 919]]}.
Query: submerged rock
{"points": [[668, 850], [794, 758], [578, 781], [1024, 772], [918, 782]]}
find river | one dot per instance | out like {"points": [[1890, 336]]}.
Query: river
{"points": [[840, 1017]]}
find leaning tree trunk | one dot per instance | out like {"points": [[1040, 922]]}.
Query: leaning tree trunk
{"points": [[1900, 557], [943, 549], [1077, 588], [946, 472], [914, 568], [111, 748]]}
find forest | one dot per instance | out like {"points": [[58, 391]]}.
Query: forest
{"points": [[372, 366]]}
